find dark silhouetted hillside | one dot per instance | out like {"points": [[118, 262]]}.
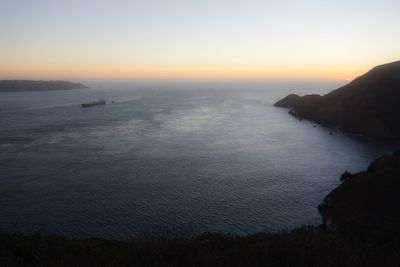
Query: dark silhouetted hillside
{"points": [[368, 203], [368, 105], [28, 85]]}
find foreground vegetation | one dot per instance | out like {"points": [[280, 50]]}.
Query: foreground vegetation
{"points": [[306, 246]]}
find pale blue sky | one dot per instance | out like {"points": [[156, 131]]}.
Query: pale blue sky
{"points": [[123, 38]]}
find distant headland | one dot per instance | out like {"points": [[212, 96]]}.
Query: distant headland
{"points": [[368, 105], [32, 86]]}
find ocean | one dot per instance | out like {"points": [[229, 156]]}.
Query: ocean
{"points": [[209, 155]]}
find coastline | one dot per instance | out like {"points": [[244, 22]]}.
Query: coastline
{"points": [[366, 105], [338, 127], [9, 86]]}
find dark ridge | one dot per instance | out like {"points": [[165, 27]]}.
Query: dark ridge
{"points": [[30, 86], [367, 105], [367, 203]]}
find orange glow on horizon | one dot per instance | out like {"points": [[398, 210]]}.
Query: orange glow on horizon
{"points": [[190, 71], [248, 40]]}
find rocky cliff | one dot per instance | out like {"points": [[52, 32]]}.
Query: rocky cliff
{"points": [[367, 202], [368, 105]]}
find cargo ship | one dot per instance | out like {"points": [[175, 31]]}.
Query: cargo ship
{"points": [[93, 103]]}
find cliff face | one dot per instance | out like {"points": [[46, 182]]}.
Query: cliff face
{"points": [[28, 85], [367, 105], [367, 202]]}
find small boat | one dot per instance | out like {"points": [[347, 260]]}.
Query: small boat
{"points": [[93, 103]]}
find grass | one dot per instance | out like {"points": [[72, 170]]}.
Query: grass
{"points": [[305, 246]]}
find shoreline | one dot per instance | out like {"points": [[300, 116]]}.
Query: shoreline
{"points": [[338, 127], [16, 86]]}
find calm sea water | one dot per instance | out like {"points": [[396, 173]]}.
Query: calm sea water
{"points": [[216, 155]]}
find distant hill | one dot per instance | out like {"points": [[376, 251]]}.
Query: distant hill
{"points": [[368, 105], [28, 85]]}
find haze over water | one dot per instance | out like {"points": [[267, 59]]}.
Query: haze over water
{"points": [[216, 155]]}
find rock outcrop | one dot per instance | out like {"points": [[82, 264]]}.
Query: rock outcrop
{"points": [[367, 202]]}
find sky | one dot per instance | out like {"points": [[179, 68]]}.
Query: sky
{"points": [[114, 39]]}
